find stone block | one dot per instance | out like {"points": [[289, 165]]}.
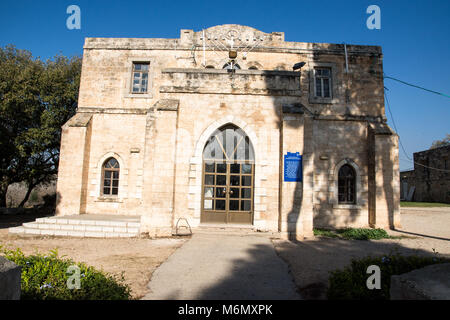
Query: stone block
{"points": [[428, 283], [93, 228], [92, 234], [10, 280], [75, 234], [16, 230]]}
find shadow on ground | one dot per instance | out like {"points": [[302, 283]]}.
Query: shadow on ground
{"points": [[17, 216], [254, 278], [310, 261], [223, 267], [210, 269]]}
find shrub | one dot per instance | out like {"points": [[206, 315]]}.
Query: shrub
{"points": [[350, 283], [45, 278], [34, 197], [363, 234], [49, 200], [355, 234], [325, 233]]}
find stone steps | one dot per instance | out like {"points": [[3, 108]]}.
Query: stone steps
{"points": [[81, 226], [233, 230]]}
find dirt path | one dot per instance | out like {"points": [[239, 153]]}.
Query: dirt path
{"points": [[137, 258], [311, 261]]}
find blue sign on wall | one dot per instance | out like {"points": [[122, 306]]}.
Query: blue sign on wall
{"points": [[293, 167]]}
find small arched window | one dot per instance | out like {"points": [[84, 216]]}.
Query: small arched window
{"points": [[231, 66], [110, 177], [209, 67], [253, 68], [347, 184]]}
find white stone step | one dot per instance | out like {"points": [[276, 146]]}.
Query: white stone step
{"points": [[88, 222], [80, 227], [233, 230]]}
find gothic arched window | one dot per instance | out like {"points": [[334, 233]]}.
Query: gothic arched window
{"points": [[110, 177], [347, 184]]}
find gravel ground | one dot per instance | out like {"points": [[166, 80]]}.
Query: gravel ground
{"points": [[311, 261]]}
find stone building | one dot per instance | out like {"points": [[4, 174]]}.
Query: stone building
{"points": [[219, 127], [430, 179]]}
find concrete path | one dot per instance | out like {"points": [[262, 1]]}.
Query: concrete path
{"points": [[216, 266]]}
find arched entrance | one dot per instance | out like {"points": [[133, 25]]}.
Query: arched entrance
{"points": [[228, 177]]}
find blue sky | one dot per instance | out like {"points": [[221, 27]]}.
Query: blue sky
{"points": [[414, 37]]}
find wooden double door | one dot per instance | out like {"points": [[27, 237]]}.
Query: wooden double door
{"points": [[227, 192]]}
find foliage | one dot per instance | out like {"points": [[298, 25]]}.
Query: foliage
{"points": [[350, 283], [36, 99], [355, 234], [325, 233], [423, 204], [34, 196], [441, 143], [44, 277]]}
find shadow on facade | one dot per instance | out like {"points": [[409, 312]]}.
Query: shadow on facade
{"points": [[361, 97]]}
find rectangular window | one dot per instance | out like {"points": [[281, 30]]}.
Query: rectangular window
{"points": [[140, 77], [322, 82]]}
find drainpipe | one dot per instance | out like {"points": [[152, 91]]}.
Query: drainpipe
{"points": [[347, 97], [204, 58], [346, 58]]}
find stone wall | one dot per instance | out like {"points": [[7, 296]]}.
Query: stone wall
{"points": [[158, 137], [431, 185]]}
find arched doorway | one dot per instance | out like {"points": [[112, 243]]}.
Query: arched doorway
{"points": [[228, 177]]}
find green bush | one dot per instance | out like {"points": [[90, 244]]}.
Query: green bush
{"points": [[364, 234], [350, 283], [44, 277], [34, 196], [355, 234]]}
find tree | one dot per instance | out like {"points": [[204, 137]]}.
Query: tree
{"points": [[441, 143], [36, 99]]}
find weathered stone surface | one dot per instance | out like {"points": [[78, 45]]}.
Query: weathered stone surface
{"points": [[167, 104], [428, 283], [429, 185], [10, 277]]}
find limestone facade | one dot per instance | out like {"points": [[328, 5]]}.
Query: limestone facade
{"points": [[158, 136]]}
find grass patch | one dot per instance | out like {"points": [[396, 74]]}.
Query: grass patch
{"points": [[350, 282], [355, 234], [407, 204], [326, 233]]}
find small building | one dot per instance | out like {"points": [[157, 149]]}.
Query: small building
{"points": [[430, 179], [231, 126]]}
